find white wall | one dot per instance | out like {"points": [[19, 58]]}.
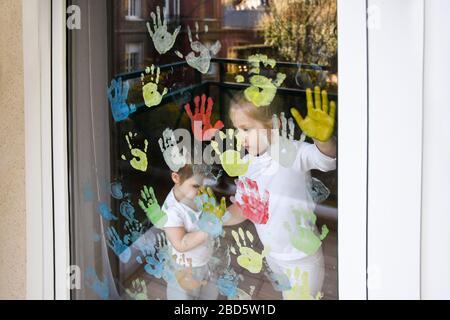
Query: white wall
{"points": [[436, 153], [395, 148]]}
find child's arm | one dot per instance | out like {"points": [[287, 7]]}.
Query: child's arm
{"points": [[236, 216], [328, 148], [184, 241]]}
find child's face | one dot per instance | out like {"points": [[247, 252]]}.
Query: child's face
{"points": [[190, 187], [254, 134]]}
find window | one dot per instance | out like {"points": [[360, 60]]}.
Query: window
{"points": [[134, 9], [131, 187], [133, 56]]}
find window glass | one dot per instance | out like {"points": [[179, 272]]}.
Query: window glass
{"points": [[202, 149]]}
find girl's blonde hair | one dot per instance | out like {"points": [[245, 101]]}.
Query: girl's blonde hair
{"points": [[261, 114]]}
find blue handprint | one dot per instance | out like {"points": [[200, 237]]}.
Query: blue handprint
{"points": [[119, 107], [117, 245], [101, 288], [116, 190], [135, 230], [127, 211], [228, 283], [211, 224], [213, 214], [105, 212]]}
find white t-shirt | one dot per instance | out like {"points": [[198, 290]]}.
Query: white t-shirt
{"points": [[180, 215], [288, 190]]}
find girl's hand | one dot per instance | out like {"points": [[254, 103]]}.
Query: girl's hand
{"points": [[319, 122]]}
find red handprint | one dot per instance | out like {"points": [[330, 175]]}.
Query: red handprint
{"points": [[253, 206], [201, 120]]}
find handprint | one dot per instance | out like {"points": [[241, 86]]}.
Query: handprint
{"points": [[174, 157], [253, 206], [139, 290], [149, 204], [117, 245], [185, 277], [158, 259], [116, 190], [105, 212], [283, 148], [152, 97], [280, 281], [119, 107], [228, 283], [201, 62], [201, 119], [134, 230], [262, 90], [127, 210], [248, 258], [300, 290], [318, 191], [213, 214], [303, 237], [231, 159], [319, 123], [139, 161], [162, 39], [101, 288]]}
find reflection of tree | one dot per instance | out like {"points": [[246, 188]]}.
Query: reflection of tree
{"points": [[303, 30]]}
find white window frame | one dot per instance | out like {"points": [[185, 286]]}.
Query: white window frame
{"points": [[40, 218]]}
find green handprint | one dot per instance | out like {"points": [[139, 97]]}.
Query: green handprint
{"points": [[262, 90], [139, 161], [231, 159], [249, 258], [303, 237], [149, 204], [152, 97], [300, 290], [139, 290]]}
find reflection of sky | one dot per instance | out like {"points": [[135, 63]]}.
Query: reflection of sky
{"points": [[242, 19]]}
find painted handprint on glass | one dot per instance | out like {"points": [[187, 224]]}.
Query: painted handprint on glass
{"points": [[253, 205], [200, 56], [201, 119], [119, 108], [162, 39]]}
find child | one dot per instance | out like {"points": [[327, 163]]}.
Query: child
{"points": [[193, 248], [287, 186]]}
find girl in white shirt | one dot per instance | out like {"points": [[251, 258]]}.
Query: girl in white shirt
{"points": [[280, 212]]}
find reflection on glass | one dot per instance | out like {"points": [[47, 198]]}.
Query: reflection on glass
{"points": [[203, 149]]}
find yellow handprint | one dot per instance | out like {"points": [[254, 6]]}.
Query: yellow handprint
{"points": [[300, 290], [249, 258], [262, 90], [319, 123], [139, 161], [231, 159]]}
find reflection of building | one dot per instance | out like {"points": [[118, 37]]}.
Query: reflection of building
{"points": [[131, 44]]}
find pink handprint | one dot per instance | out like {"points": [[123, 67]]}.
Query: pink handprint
{"points": [[201, 120], [253, 206]]}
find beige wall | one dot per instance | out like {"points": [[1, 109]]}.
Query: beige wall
{"points": [[12, 154]]}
